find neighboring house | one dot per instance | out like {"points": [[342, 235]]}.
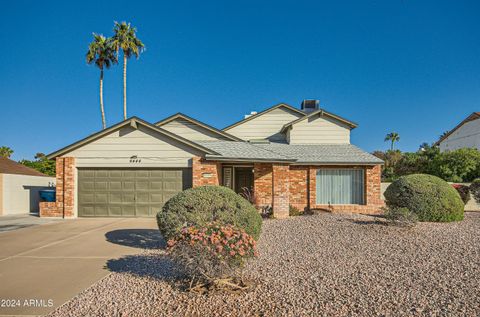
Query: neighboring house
{"points": [[19, 186], [287, 156], [465, 135]]}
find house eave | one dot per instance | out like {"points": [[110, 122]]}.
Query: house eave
{"points": [[253, 160], [133, 122]]}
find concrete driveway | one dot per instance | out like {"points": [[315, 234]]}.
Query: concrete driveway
{"points": [[44, 266]]}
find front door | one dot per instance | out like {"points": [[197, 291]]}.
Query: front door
{"points": [[243, 179]]}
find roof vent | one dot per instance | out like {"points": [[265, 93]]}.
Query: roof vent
{"points": [[252, 113], [310, 105]]}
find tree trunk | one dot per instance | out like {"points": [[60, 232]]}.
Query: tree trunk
{"points": [[101, 100], [124, 87], [392, 146]]}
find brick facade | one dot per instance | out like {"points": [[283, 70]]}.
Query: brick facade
{"points": [[298, 176], [205, 172], [299, 182], [262, 184], [373, 200], [65, 191], [281, 190]]}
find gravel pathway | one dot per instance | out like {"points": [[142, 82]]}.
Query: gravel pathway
{"points": [[322, 265]]}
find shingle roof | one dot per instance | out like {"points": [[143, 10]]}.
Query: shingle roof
{"points": [[323, 153], [240, 150], [7, 166], [301, 153]]}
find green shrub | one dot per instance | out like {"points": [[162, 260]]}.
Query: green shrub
{"points": [[201, 205], [400, 216], [475, 189], [294, 211], [429, 197]]}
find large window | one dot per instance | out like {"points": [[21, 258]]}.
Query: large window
{"points": [[340, 186]]}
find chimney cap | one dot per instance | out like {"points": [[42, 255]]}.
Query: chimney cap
{"points": [[309, 105]]}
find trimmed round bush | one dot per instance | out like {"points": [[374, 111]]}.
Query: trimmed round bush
{"points": [[205, 204], [429, 197]]}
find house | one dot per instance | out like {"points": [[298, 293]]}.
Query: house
{"points": [[287, 156], [465, 135], [19, 186]]}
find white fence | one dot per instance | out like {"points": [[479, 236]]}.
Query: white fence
{"points": [[472, 205]]}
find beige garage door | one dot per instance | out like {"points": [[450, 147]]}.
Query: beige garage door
{"points": [[128, 192]]}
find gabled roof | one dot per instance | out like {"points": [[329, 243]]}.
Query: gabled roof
{"points": [[472, 117], [320, 112], [280, 105], [7, 166], [180, 115], [133, 122]]}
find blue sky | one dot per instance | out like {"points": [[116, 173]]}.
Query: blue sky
{"points": [[407, 66]]}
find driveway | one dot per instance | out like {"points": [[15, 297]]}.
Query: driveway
{"points": [[13, 222], [42, 267]]}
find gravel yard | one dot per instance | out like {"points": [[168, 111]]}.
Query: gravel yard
{"points": [[327, 265]]}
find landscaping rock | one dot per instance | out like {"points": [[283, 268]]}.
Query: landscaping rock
{"points": [[320, 265]]}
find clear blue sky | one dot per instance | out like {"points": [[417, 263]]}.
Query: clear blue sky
{"points": [[407, 66]]}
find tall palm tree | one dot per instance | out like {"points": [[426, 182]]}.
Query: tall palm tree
{"points": [[102, 54], [125, 39], [392, 137]]}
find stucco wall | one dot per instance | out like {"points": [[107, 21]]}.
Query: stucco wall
{"points": [[467, 136], [472, 205], [20, 193]]}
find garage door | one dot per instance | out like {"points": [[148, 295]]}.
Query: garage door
{"points": [[128, 192]]}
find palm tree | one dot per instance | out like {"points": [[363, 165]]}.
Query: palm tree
{"points": [[392, 137], [5, 151], [101, 53], [125, 39]]}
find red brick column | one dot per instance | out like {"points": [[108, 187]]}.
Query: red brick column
{"points": [[65, 191], [312, 186], [205, 172], [280, 190], [262, 184], [373, 191], [298, 180]]}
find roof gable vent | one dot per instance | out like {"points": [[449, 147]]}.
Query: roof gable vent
{"points": [[310, 105]]}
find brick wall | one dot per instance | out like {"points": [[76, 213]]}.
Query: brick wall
{"points": [[205, 172], [373, 200], [262, 184], [373, 191], [65, 190], [280, 175], [298, 197]]}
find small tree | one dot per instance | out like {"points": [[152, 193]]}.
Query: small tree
{"points": [[392, 137]]}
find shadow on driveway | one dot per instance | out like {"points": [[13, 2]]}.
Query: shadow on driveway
{"points": [[137, 238]]}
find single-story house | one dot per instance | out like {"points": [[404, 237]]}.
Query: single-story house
{"points": [[465, 135], [19, 187], [285, 155]]}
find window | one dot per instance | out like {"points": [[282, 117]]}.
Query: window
{"points": [[227, 177], [340, 186]]}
